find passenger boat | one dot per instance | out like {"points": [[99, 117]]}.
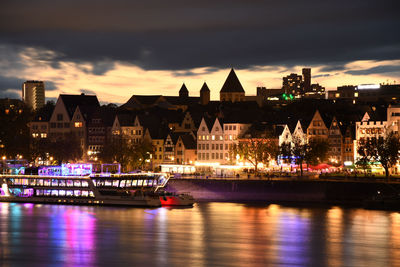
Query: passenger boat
{"points": [[82, 187]]}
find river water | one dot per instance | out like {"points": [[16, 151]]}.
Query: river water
{"points": [[209, 234]]}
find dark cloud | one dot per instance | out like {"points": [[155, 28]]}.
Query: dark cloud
{"points": [[332, 68], [321, 75], [178, 34], [376, 70], [14, 83], [12, 94]]}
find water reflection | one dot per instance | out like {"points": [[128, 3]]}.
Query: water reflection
{"points": [[210, 234]]}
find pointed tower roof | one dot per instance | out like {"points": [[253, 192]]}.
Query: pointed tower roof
{"points": [[183, 91], [204, 88], [232, 84]]}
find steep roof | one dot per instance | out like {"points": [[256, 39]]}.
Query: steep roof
{"points": [[232, 84], [82, 100], [188, 141], [204, 88], [183, 90]]}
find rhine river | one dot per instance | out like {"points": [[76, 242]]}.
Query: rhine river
{"points": [[209, 234]]}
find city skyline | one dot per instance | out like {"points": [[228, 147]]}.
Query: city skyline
{"points": [[126, 48]]}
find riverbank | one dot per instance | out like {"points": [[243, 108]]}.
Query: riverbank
{"points": [[284, 190]]}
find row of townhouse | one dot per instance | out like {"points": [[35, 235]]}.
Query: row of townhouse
{"points": [[186, 138]]}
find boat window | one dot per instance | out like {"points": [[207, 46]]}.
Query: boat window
{"points": [[77, 183], [140, 182], [122, 183], [85, 184], [25, 181], [61, 182], [85, 193], [54, 193], [144, 182], [69, 193], [47, 182], [91, 194], [40, 182], [61, 193], [115, 183], [150, 182], [107, 183], [54, 182], [47, 192], [39, 192], [33, 182], [77, 193], [128, 183], [70, 183], [134, 182]]}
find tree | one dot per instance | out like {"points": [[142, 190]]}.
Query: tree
{"points": [[388, 151], [255, 150], [366, 151], [317, 151], [129, 155], [299, 150], [64, 150]]}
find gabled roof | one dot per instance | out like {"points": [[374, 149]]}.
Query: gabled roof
{"points": [[188, 141], [82, 100], [232, 84], [126, 119]]}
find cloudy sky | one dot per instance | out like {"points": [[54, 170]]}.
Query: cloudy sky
{"points": [[123, 47]]}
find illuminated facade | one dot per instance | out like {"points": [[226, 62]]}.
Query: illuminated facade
{"points": [[215, 140], [317, 128], [33, 94]]}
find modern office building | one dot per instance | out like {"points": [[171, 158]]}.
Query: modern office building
{"points": [[33, 94]]}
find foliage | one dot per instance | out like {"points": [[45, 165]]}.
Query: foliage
{"points": [[14, 131], [128, 154], [383, 150], [256, 150], [313, 152], [317, 151]]}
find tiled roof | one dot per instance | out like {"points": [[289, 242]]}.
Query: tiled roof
{"points": [[82, 100]]}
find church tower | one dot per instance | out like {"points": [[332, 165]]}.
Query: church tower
{"points": [[183, 92], [204, 94], [232, 90]]}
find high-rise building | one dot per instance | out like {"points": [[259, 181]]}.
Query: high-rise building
{"points": [[33, 94], [306, 79]]}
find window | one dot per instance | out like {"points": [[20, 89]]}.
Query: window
{"points": [[43, 135], [212, 147], [212, 155], [216, 155], [78, 124], [66, 125], [213, 137], [230, 127], [221, 146], [234, 127], [221, 138], [59, 125], [59, 117]]}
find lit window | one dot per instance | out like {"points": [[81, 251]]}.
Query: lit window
{"points": [[207, 137], [213, 137], [78, 124], [43, 135], [34, 135], [356, 94]]}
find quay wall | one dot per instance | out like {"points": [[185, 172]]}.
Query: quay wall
{"points": [[316, 191]]}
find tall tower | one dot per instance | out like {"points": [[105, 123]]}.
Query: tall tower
{"points": [[306, 80], [33, 94], [232, 90], [204, 94], [183, 92]]}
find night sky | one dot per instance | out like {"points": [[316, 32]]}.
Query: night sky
{"points": [[119, 48]]}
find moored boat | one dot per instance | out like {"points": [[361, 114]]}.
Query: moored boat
{"points": [[136, 189]]}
